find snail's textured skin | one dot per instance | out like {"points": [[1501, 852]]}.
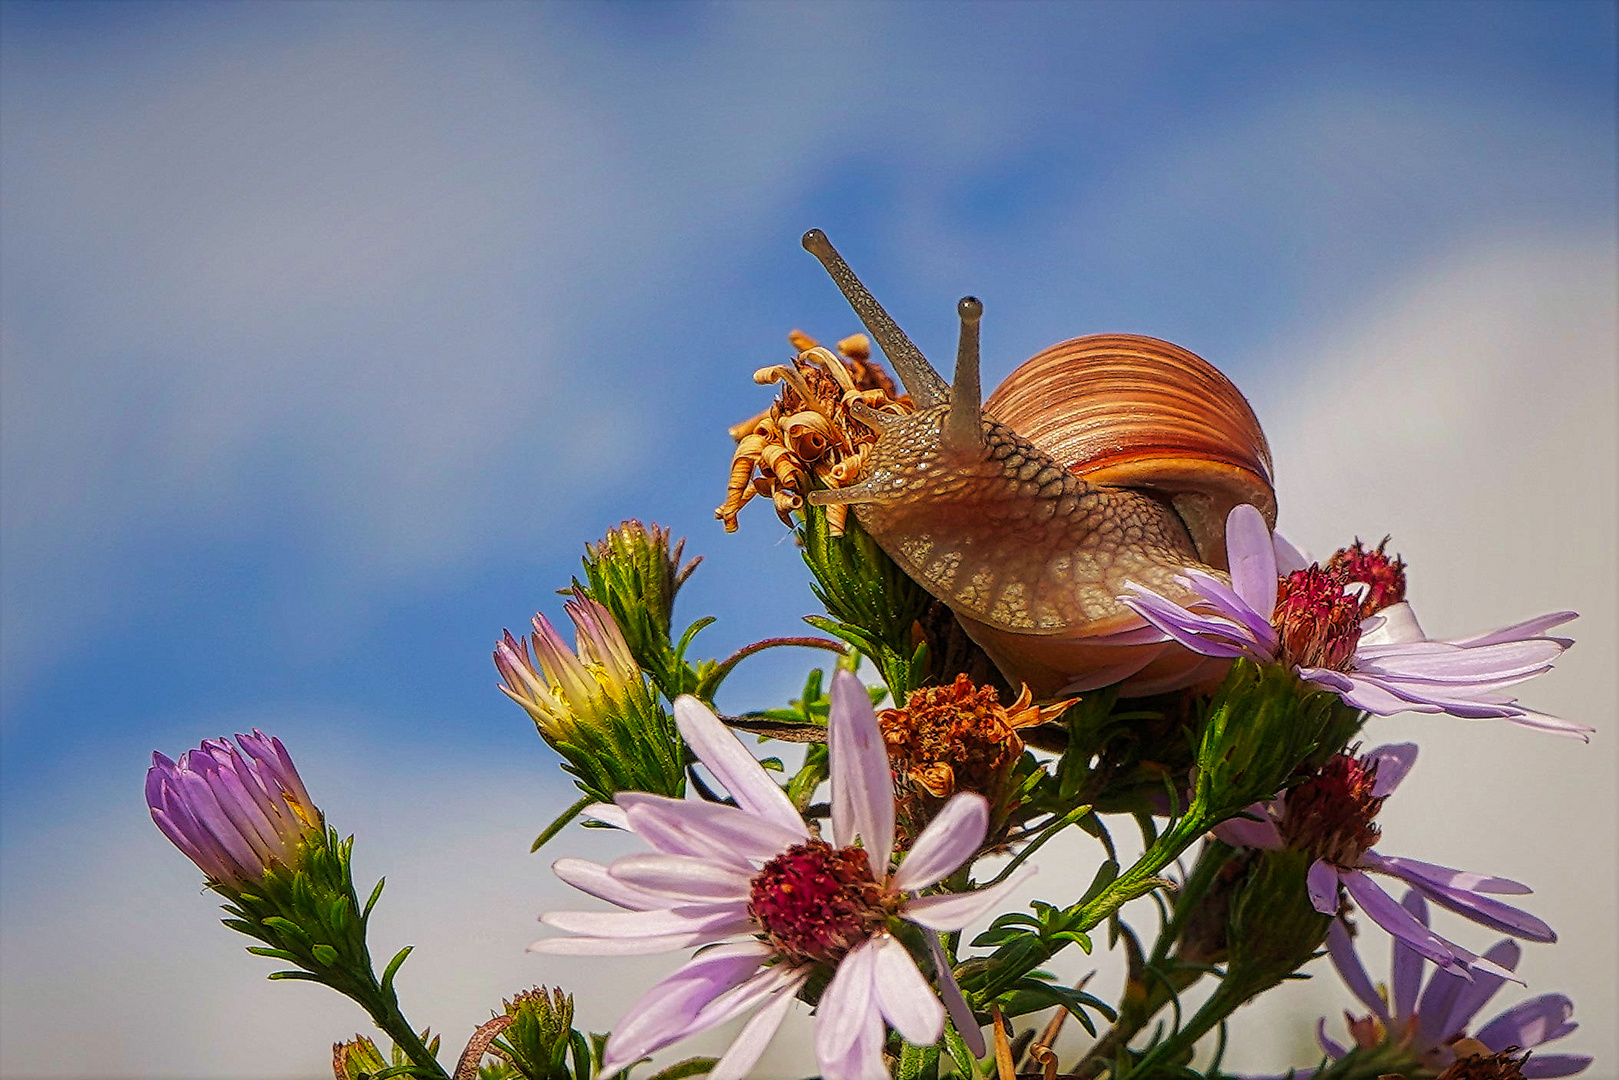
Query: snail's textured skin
{"points": [[1030, 556]]}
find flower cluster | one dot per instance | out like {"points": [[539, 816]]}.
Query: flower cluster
{"points": [[805, 906], [842, 876]]}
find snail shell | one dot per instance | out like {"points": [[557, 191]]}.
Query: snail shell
{"points": [[1136, 412]]}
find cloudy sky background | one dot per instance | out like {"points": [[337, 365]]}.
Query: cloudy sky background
{"points": [[331, 333]]}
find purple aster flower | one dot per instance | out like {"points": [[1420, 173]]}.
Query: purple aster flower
{"points": [[802, 904], [1328, 625], [233, 813], [1330, 816], [1432, 1023]]}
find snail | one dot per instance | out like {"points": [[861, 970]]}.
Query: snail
{"points": [[1101, 460]]}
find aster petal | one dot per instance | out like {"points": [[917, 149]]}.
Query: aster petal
{"points": [[955, 911], [1250, 833], [1366, 694], [1529, 628], [1481, 909], [862, 786], [739, 999], [1322, 883], [1382, 910], [1393, 761], [1203, 634], [593, 878], [961, 1014], [1352, 971], [863, 1060], [1436, 661], [732, 765], [608, 814], [1406, 966], [1219, 596], [716, 919], [1444, 876], [1394, 625], [682, 878], [846, 1004], [1438, 999], [1329, 1046], [749, 1045], [709, 830], [1553, 725], [1252, 554], [1541, 1066], [665, 1013], [1504, 953], [1528, 1023], [614, 946], [1288, 557], [949, 840], [907, 1002]]}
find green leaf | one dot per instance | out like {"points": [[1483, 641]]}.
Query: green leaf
{"points": [[393, 968], [695, 1066], [326, 955], [560, 823]]}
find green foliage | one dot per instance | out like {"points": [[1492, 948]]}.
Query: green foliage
{"points": [[870, 601]]}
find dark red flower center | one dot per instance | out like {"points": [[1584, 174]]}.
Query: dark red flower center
{"points": [[1506, 1065], [1383, 577], [1317, 623], [1330, 814], [816, 902]]}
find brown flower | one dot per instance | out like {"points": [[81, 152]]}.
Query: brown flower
{"points": [[810, 437], [958, 738]]}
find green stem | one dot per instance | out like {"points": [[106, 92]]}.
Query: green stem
{"points": [[384, 1010], [1222, 1003]]}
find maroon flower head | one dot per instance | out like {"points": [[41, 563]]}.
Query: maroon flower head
{"points": [[1330, 815], [1383, 577], [816, 902], [1316, 621]]}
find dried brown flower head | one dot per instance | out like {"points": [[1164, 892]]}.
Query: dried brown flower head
{"points": [[957, 738], [809, 437]]}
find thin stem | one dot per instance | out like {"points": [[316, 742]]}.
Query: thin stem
{"points": [[1034, 845]]}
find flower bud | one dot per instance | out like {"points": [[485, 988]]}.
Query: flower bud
{"points": [[635, 573], [1274, 928], [235, 813], [358, 1059], [537, 1041], [592, 704]]}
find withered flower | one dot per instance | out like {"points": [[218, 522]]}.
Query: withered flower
{"points": [[809, 437], [958, 738]]}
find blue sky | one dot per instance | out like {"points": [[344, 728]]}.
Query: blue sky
{"points": [[331, 333]]}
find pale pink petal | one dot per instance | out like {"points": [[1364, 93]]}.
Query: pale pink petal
{"points": [[682, 878], [665, 1013], [1253, 558], [1529, 628], [593, 878], [949, 840], [731, 763], [1554, 725], [1288, 557], [750, 1043], [1322, 883], [907, 1002], [1394, 625], [1246, 832], [955, 911], [728, 834], [716, 918], [863, 1060], [608, 814], [1445, 876], [846, 1004], [1392, 762], [960, 1014], [862, 786], [636, 946]]}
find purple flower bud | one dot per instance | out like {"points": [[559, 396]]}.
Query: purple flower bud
{"points": [[233, 812]]}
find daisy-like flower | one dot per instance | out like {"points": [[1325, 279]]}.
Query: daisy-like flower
{"points": [[801, 905], [1326, 624], [235, 813], [1432, 1023], [1330, 816]]}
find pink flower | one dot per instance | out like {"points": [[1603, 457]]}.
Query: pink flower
{"points": [[800, 904]]}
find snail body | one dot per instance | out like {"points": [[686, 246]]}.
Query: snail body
{"points": [[1100, 461]]}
